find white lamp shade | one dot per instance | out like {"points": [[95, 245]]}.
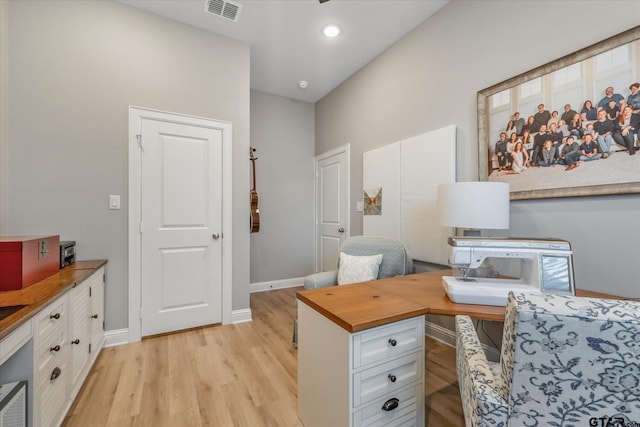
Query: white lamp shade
{"points": [[479, 205]]}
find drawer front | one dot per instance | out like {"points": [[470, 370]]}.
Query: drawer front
{"points": [[410, 404], [47, 357], [381, 380], [49, 321], [385, 342], [50, 399]]}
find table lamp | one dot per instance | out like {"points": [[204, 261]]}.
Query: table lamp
{"points": [[474, 206]]}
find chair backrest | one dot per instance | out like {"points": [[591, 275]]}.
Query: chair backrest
{"points": [[395, 259], [568, 359]]}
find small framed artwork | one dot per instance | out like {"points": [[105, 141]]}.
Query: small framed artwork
{"points": [[373, 201]]}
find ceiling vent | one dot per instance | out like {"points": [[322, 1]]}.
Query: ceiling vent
{"points": [[224, 9]]}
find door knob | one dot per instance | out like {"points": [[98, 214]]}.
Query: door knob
{"points": [[341, 230], [215, 236]]}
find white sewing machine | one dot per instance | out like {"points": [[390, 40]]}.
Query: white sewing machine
{"points": [[545, 265]]}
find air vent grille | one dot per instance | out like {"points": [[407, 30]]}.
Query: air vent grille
{"points": [[224, 9]]}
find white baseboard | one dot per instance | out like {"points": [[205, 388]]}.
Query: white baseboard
{"points": [[116, 337], [121, 336], [241, 316], [448, 337], [276, 284]]}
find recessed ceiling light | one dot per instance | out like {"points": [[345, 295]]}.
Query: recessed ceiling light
{"points": [[303, 84], [331, 30]]}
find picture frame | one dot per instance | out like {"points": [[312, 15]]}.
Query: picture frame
{"points": [[494, 113]]}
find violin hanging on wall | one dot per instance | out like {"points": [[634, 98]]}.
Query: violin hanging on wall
{"points": [[255, 212]]}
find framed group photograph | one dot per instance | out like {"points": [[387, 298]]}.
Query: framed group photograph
{"points": [[567, 101]]}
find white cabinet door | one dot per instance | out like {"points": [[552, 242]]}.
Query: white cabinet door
{"points": [[97, 312], [86, 333], [79, 305]]}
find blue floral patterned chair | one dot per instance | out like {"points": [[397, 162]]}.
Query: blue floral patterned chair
{"points": [[565, 361]]}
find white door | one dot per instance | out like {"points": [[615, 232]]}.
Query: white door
{"points": [[332, 206], [181, 226]]}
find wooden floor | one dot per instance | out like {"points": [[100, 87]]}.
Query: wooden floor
{"points": [[232, 375]]}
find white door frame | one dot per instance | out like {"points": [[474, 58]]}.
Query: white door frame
{"points": [[136, 114], [346, 148]]}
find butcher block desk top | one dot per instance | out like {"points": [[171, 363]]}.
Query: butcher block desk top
{"points": [[39, 294], [365, 305]]}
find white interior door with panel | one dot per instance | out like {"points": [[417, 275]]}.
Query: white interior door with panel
{"points": [[332, 205], [181, 226], [180, 222]]}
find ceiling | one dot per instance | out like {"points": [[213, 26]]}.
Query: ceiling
{"points": [[286, 39]]}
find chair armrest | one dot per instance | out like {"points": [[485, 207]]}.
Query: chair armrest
{"points": [[480, 388], [321, 280]]}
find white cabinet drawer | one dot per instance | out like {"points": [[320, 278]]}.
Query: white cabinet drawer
{"points": [[379, 344], [51, 399], [383, 379], [409, 401], [49, 321], [48, 357]]}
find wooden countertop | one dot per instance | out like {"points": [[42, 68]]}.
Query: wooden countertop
{"points": [[361, 306], [39, 294], [366, 305]]}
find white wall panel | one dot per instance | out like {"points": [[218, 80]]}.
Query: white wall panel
{"points": [[381, 169], [409, 173]]}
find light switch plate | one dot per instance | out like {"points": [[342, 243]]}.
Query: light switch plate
{"points": [[114, 201], [359, 206]]}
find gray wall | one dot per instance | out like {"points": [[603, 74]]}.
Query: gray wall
{"points": [[74, 68], [4, 113], [282, 132], [429, 79]]}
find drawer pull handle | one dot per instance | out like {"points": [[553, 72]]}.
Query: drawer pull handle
{"points": [[390, 404], [76, 341], [56, 373], [56, 348], [95, 316], [55, 316], [392, 342], [392, 378]]}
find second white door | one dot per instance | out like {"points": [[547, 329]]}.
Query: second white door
{"points": [[181, 226], [332, 206]]}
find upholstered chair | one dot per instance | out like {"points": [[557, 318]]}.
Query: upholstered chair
{"points": [[565, 361], [395, 262]]}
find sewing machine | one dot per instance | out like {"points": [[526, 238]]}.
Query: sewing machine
{"points": [[541, 265]]}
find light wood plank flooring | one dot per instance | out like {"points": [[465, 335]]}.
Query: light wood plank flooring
{"points": [[232, 375]]}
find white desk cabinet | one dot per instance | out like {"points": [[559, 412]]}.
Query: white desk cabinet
{"points": [[370, 378]]}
